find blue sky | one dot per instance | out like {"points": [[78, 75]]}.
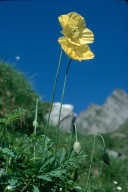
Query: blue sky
{"points": [[30, 29]]}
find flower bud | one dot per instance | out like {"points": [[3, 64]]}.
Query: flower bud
{"points": [[106, 159], [9, 188], [77, 147], [35, 123], [119, 188], [115, 182]]}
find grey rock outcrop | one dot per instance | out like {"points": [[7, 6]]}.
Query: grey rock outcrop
{"points": [[65, 118], [106, 118], [95, 119]]}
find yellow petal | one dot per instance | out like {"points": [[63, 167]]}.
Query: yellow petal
{"points": [[87, 36], [63, 19], [74, 29], [76, 19], [81, 52], [72, 24], [85, 53]]}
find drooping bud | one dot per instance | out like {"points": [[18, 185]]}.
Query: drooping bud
{"points": [[77, 147], [106, 159]]}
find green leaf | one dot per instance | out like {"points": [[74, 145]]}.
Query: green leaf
{"points": [[35, 189], [2, 120], [16, 114], [45, 177], [12, 181], [48, 161], [62, 155], [7, 151], [57, 172]]}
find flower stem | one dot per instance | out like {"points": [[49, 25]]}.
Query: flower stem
{"points": [[75, 131], [102, 141], [90, 166], [35, 126], [70, 144], [62, 97], [53, 95]]}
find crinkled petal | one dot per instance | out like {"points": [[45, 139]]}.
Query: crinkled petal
{"points": [[75, 42], [76, 37], [84, 52], [87, 36], [81, 52], [63, 19], [72, 19], [76, 20], [71, 22]]}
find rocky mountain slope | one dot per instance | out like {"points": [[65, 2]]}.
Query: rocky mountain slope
{"points": [[95, 119], [106, 118]]}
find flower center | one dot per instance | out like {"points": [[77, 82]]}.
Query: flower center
{"points": [[74, 32]]}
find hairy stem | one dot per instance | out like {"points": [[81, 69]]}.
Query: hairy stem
{"points": [[35, 126], [62, 97], [90, 166], [53, 95]]}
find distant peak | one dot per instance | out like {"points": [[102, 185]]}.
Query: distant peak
{"points": [[119, 95], [119, 92]]}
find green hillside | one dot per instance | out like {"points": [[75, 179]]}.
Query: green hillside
{"points": [[61, 171], [16, 91]]}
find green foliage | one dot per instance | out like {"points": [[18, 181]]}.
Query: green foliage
{"points": [[20, 171], [9, 118], [65, 171], [49, 171], [102, 176], [16, 92]]}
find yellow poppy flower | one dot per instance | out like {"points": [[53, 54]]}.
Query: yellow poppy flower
{"points": [[81, 52], [74, 28], [76, 37]]}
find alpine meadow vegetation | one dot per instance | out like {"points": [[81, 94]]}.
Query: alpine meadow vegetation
{"points": [[38, 157]]}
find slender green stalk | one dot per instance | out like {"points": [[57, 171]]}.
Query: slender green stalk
{"points": [[6, 168], [34, 151], [70, 143], [102, 140], [90, 166], [62, 97], [76, 132], [53, 95], [35, 123]]}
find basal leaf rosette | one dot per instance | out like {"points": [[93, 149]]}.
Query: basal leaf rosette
{"points": [[76, 37]]}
